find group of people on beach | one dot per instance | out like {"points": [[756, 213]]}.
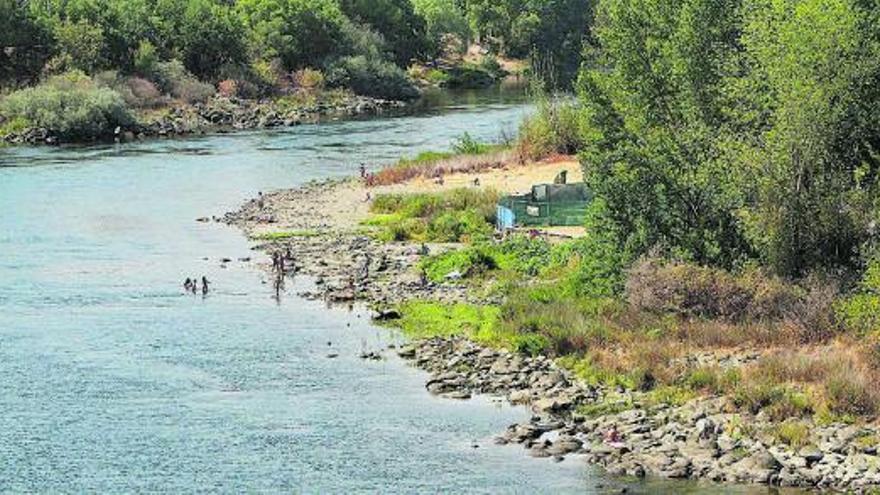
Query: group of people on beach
{"points": [[192, 285]]}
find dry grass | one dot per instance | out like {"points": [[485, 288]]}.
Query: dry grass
{"points": [[440, 167]]}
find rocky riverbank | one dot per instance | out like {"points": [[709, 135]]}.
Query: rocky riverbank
{"points": [[701, 439], [221, 114], [706, 438]]}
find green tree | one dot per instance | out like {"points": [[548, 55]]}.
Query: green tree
{"points": [[654, 118], [25, 45], [204, 34], [396, 20], [443, 17], [80, 45], [301, 33], [807, 107]]}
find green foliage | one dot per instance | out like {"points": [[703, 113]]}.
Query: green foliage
{"points": [[860, 312], [551, 33], [70, 106], [606, 407], [810, 115], [173, 78], [80, 45], [402, 30], [553, 129], [371, 77], [596, 258], [467, 145], [468, 76], [795, 434], [145, 58], [205, 35], [652, 113], [25, 43], [301, 33], [459, 215], [670, 395], [443, 18], [722, 131], [430, 319], [520, 255]]}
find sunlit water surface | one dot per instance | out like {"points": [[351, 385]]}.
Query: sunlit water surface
{"points": [[114, 380]]}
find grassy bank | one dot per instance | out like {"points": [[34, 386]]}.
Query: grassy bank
{"points": [[673, 330]]}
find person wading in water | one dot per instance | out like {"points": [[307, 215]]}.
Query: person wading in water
{"points": [[204, 285]]}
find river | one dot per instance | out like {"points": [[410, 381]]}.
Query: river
{"points": [[115, 380]]}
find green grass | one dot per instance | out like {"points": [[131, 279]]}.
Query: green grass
{"points": [[610, 405], [287, 234], [14, 125], [795, 434], [459, 215]]}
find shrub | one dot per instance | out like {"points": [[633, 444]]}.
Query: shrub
{"points": [[553, 129], [308, 79], [467, 145], [459, 226], [459, 215], [173, 78], [860, 312], [795, 434], [137, 92], [71, 106], [469, 262], [227, 88], [850, 392], [145, 58], [371, 77], [468, 76]]}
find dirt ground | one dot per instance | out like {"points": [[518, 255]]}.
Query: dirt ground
{"points": [[343, 206]]}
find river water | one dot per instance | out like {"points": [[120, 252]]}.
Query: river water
{"points": [[115, 380]]}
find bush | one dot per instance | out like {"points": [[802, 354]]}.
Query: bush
{"points": [[173, 78], [308, 79], [371, 77], [459, 215], [553, 129], [459, 226], [137, 92], [145, 58], [469, 262], [805, 311], [71, 106], [467, 145], [860, 312], [227, 88]]}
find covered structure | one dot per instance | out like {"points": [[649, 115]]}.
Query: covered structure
{"points": [[546, 205]]}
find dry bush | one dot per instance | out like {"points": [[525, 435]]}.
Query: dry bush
{"points": [[308, 79], [227, 88], [759, 303], [461, 164], [835, 379]]}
